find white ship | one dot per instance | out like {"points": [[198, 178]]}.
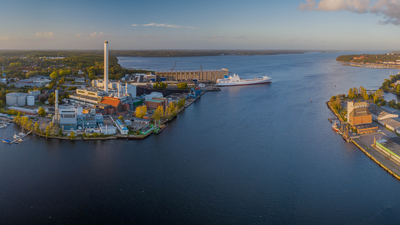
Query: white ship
{"points": [[235, 80]]}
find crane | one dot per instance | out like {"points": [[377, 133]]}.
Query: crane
{"points": [[174, 65]]}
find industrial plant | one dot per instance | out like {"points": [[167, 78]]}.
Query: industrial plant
{"points": [[97, 107]]}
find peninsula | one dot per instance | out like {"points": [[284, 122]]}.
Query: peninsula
{"points": [[372, 123], [374, 61]]}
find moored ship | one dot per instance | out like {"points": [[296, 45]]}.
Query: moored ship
{"points": [[235, 80]]}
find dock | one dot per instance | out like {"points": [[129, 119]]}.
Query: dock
{"points": [[24, 138]]}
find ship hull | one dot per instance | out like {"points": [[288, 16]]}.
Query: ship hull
{"points": [[242, 84]]}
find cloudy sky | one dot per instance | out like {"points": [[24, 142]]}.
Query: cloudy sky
{"points": [[257, 24]]}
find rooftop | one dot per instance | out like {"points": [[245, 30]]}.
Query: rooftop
{"points": [[360, 112]]}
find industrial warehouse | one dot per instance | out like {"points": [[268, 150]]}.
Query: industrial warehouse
{"points": [[190, 75]]}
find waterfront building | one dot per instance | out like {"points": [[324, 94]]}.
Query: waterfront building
{"points": [[153, 104], [360, 116], [68, 117], [108, 130], [352, 105], [121, 127], [190, 75]]}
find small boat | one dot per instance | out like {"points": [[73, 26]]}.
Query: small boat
{"points": [[6, 141], [335, 127], [20, 140], [16, 136], [21, 134]]}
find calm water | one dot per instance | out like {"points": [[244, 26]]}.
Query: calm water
{"points": [[246, 155]]}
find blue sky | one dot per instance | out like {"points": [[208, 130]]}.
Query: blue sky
{"points": [[267, 24]]}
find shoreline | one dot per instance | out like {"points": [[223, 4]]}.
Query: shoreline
{"points": [[370, 65], [120, 136]]}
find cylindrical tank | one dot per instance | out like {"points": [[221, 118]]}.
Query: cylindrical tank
{"points": [[35, 94], [30, 100], [16, 99]]}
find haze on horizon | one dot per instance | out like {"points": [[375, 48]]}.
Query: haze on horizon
{"points": [[144, 25]]}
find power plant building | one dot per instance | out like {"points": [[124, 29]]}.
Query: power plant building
{"points": [[190, 75]]}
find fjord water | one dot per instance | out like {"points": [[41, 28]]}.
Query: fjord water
{"points": [[245, 155]]}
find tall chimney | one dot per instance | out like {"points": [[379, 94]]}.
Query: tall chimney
{"points": [[106, 66], [57, 116]]}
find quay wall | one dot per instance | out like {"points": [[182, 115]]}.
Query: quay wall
{"points": [[376, 161]]}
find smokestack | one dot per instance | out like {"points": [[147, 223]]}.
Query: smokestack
{"points": [[126, 88], [106, 66], [119, 89], [56, 117]]}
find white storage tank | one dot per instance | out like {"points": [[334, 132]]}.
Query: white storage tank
{"points": [[35, 94], [16, 99], [30, 100]]}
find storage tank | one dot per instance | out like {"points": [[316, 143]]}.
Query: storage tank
{"points": [[30, 100], [16, 99], [35, 94]]}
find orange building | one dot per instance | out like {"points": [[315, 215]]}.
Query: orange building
{"points": [[115, 104], [360, 116]]}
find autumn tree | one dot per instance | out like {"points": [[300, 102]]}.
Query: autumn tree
{"points": [[141, 111], [42, 112], [47, 131], [54, 75], [37, 128], [158, 113]]}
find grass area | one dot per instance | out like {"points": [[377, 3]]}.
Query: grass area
{"points": [[389, 129]]}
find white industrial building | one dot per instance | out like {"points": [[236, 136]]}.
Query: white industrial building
{"points": [[108, 130]]}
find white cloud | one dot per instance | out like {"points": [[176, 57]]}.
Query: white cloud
{"points": [[5, 38], [163, 25], [388, 9], [44, 34], [78, 35], [95, 34]]}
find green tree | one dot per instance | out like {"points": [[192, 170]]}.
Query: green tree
{"points": [[181, 103], [42, 99], [51, 101], [2, 104], [182, 85], [42, 112], [84, 135], [398, 88], [95, 135], [121, 118], [72, 135], [60, 133]]}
